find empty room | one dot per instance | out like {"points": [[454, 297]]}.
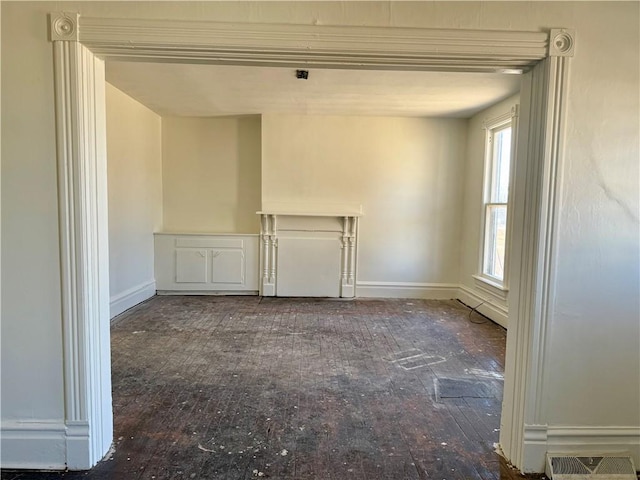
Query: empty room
{"points": [[343, 187], [319, 240]]}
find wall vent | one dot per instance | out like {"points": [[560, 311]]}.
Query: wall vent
{"points": [[590, 468]]}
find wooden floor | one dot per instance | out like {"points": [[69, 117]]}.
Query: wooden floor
{"points": [[244, 387]]}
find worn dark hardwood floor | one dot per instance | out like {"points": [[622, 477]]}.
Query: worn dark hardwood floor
{"points": [[243, 388]]}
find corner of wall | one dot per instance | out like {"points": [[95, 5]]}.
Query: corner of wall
{"points": [[484, 304], [160, 219], [131, 297], [134, 136]]}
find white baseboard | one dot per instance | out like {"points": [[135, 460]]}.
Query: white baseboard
{"points": [[540, 440], [429, 291], [212, 293], [33, 445], [491, 308], [131, 297], [78, 446]]}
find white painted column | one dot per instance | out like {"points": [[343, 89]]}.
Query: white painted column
{"points": [[268, 245], [82, 174], [274, 250], [523, 432], [347, 287]]}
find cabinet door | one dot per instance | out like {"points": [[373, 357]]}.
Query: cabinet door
{"points": [[227, 266], [191, 265]]}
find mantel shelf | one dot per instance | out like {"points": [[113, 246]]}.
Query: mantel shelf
{"points": [[310, 214]]}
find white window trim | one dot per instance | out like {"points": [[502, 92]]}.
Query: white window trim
{"points": [[489, 283]]}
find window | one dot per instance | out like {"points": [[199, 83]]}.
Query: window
{"points": [[496, 196]]}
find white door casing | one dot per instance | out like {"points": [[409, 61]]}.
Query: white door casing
{"points": [[81, 44], [84, 256]]}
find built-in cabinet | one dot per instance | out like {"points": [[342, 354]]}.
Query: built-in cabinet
{"points": [[295, 255], [206, 263]]}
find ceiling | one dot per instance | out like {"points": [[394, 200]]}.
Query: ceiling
{"points": [[217, 90]]}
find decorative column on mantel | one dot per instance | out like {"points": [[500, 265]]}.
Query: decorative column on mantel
{"points": [[349, 237], [338, 227], [268, 254]]}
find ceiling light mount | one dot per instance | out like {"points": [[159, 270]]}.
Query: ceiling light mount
{"points": [[302, 74]]}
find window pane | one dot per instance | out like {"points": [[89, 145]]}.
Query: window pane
{"points": [[500, 167], [495, 241]]}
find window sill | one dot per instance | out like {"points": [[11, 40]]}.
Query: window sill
{"points": [[491, 287]]}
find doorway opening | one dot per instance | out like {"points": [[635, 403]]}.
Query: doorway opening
{"points": [[80, 108]]}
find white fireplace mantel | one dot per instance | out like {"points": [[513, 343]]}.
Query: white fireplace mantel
{"points": [[308, 253]]}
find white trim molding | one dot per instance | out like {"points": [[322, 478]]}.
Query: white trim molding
{"points": [[490, 126], [64, 26], [82, 174], [210, 293], [486, 304], [533, 250], [131, 297], [79, 87], [540, 440], [488, 287], [379, 48], [499, 120], [37, 445], [429, 291], [562, 43]]}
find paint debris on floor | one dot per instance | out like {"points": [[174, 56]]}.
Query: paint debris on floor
{"points": [[211, 387]]}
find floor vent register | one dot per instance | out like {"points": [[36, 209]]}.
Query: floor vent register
{"points": [[590, 468]]}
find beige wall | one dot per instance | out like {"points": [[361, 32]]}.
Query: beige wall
{"points": [[405, 172], [592, 351], [31, 335], [211, 174], [134, 163]]}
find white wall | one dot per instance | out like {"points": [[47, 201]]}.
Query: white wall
{"points": [[405, 172], [135, 197], [472, 217], [211, 174], [595, 324], [593, 350], [31, 362]]}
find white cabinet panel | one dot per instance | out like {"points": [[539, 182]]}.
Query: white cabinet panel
{"points": [[209, 242], [206, 263], [308, 267], [227, 266], [191, 266]]}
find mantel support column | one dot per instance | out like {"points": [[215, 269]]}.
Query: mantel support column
{"points": [[268, 255], [347, 277]]}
